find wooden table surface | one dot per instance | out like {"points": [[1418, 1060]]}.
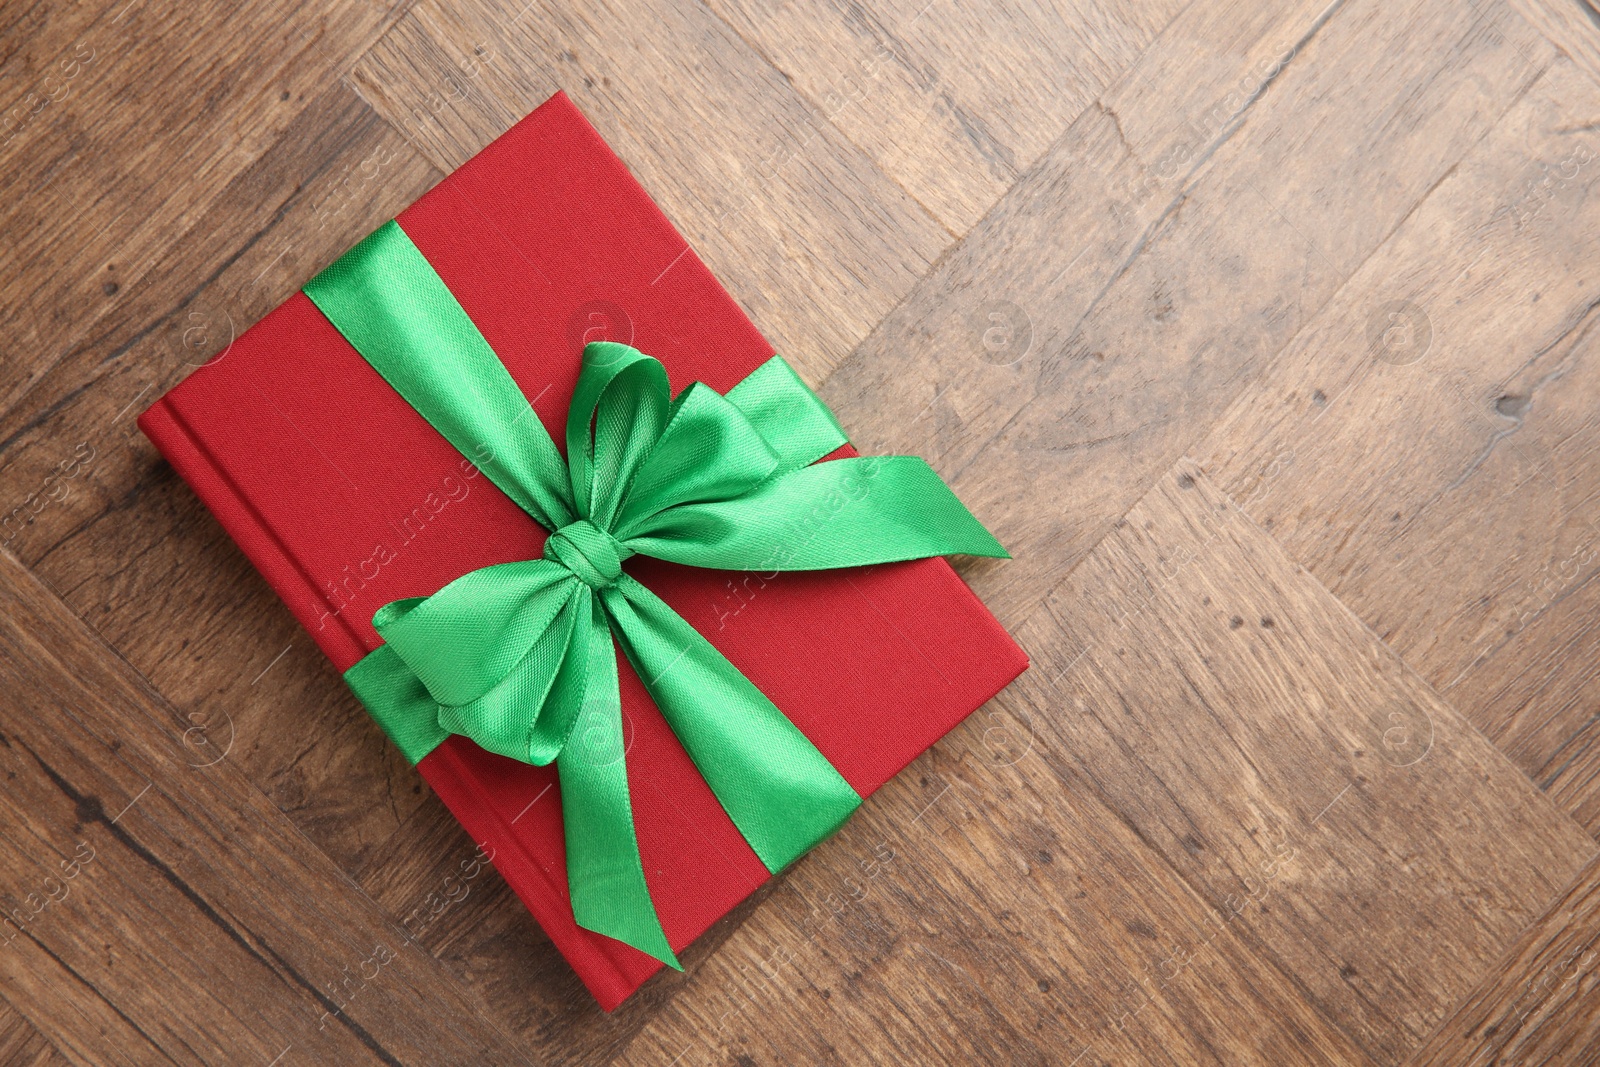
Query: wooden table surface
{"points": [[1265, 333]]}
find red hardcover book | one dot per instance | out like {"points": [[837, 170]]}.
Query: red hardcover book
{"points": [[346, 499]]}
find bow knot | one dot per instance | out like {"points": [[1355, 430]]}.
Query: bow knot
{"points": [[590, 553]]}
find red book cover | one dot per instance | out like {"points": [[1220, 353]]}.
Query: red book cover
{"points": [[346, 499]]}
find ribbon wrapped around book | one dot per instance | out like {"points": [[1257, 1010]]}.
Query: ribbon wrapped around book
{"points": [[519, 656]]}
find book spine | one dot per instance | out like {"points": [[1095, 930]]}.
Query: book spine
{"points": [[164, 425]]}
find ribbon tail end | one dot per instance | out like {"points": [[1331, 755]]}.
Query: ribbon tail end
{"points": [[653, 944], [984, 545]]}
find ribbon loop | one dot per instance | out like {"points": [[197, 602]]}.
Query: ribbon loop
{"points": [[467, 637], [618, 411], [709, 450]]}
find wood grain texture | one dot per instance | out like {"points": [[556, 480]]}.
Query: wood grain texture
{"points": [[100, 518], [160, 908], [23, 1046], [1426, 444], [94, 135], [952, 101], [1054, 249], [1540, 1005], [1098, 320], [1224, 703], [768, 192], [1571, 25]]}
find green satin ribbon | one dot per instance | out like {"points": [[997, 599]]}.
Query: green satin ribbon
{"points": [[519, 657]]}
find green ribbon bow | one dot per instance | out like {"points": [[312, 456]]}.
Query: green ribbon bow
{"points": [[519, 656]]}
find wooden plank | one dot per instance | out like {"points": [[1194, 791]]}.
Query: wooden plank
{"points": [[94, 510], [1571, 25], [952, 101], [23, 1046], [1539, 1006], [104, 109], [1096, 323], [160, 910], [1173, 837], [799, 224], [1446, 490], [1222, 687]]}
